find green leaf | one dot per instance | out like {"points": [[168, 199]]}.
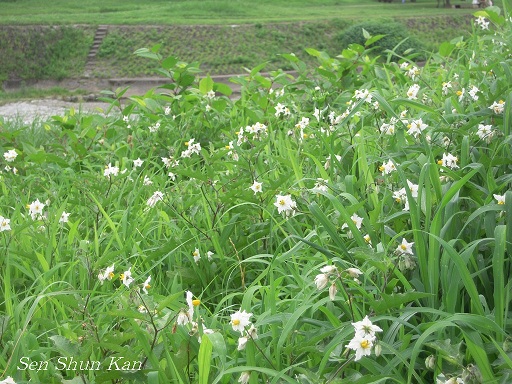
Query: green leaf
{"points": [[145, 52], [64, 346], [394, 301], [446, 48], [206, 85], [204, 359], [222, 88]]}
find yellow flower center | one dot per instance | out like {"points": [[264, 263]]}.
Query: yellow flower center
{"points": [[187, 143], [501, 202], [403, 246], [501, 102], [381, 168], [440, 162], [365, 344], [196, 302], [459, 93], [147, 286], [236, 322], [282, 202], [111, 275], [121, 276]]}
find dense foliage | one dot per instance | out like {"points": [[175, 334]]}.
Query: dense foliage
{"points": [[395, 36], [349, 224], [44, 52]]}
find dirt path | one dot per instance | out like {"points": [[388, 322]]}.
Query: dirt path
{"points": [[29, 111]]}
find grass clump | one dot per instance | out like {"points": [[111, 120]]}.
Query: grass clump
{"points": [[396, 37]]}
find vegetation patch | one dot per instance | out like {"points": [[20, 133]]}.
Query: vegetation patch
{"points": [[42, 52], [347, 223]]}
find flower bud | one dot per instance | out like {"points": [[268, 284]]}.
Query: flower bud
{"points": [[332, 291], [430, 362]]}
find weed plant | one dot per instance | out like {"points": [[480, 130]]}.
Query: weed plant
{"points": [[351, 224]]}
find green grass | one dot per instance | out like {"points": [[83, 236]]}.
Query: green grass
{"points": [[442, 302], [210, 12]]}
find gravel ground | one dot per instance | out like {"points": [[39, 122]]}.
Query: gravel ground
{"points": [[28, 111]]}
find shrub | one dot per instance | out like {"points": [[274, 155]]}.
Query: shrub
{"points": [[397, 37]]}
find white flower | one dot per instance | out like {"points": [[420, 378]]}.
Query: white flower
{"points": [[240, 320], [405, 248], [137, 163], [500, 199], [321, 280], [242, 342], [413, 72], [285, 205], [387, 168], [320, 186], [209, 255], [449, 161], [197, 255], [147, 181], [473, 92], [183, 318], [416, 127], [446, 87], [316, 114], [244, 377], [412, 93], [157, 196], [480, 20], [146, 285], [210, 95], [64, 217], [484, 131], [362, 346], [193, 147], [498, 107], [107, 274], [110, 170], [413, 188], [189, 298], [8, 380], [10, 155], [256, 187], [4, 224], [127, 278], [167, 110], [358, 221], [36, 209], [366, 329], [461, 94]]}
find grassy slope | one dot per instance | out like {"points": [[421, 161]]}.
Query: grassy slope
{"points": [[208, 12], [224, 36], [227, 50]]}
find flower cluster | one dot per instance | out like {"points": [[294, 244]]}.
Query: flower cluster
{"points": [[126, 278], [285, 205], [192, 148], [240, 322], [364, 338]]}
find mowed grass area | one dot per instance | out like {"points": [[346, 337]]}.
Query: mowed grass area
{"points": [[212, 11]]}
